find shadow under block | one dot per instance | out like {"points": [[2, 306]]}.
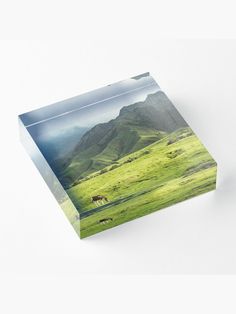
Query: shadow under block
{"points": [[116, 153]]}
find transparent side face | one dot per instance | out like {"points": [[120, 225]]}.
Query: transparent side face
{"points": [[49, 177]]}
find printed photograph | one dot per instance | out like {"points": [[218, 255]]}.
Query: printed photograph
{"points": [[121, 152]]}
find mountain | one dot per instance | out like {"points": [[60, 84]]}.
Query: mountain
{"points": [[136, 126]]}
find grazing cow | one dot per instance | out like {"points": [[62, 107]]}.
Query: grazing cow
{"points": [[105, 220], [99, 199]]}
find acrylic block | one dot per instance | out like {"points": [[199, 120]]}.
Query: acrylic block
{"points": [[116, 153]]}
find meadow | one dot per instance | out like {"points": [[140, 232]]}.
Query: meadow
{"points": [[173, 169]]}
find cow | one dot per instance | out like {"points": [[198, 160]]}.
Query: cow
{"points": [[105, 220], [99, 199]]}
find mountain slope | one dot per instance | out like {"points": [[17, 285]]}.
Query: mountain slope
{"points": [[137, 126]]}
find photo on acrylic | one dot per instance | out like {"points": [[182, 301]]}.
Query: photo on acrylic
{"points": [[117, 153]]}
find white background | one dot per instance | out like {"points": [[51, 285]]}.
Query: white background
{"points": [[44, 267]]}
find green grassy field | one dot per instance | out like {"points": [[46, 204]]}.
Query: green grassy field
{"points": [[161, 174]]}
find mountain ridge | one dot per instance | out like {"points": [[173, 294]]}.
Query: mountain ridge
{"points": [[136, 126]]}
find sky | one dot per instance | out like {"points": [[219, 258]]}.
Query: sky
{"points": [[88, 109]]}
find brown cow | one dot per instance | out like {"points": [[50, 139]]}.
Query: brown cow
{"points": [[99, 199]]}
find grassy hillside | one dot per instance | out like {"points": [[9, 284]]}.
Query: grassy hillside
{"points": [[127, 139], [161, 174]]}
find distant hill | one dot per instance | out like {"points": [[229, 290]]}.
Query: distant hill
{"points": [[136, 126], [61, 145]]}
